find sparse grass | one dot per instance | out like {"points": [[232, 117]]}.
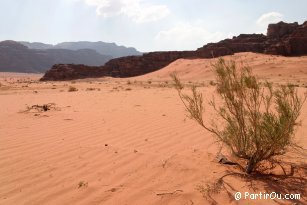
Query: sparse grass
{"points": [[162, 85], [212, 83], [129, 82], [72, 89], [207, 190], [90, 89], [128, 89], [82, 184], [149, 82], [258, 120], [41, 108]]}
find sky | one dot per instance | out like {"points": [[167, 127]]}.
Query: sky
{"points": [[147, 25]]}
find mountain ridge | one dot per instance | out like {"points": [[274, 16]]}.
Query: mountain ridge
{"points": [[16, 57], [104, 48], [287, 39], [36, 57]]}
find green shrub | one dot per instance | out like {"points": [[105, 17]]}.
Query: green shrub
{"points": [[258, 120]]}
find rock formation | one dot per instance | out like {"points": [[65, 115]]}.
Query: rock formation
{"points": [[281, 39], [70, 71], [287, 39], [242, 43]]}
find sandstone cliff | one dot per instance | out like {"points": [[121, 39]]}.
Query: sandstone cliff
{"points": [[281, 39]]}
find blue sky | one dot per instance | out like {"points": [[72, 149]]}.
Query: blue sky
{"points": [[148, 25]]}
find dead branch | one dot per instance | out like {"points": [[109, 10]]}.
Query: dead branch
{"points": [[169, 193]]}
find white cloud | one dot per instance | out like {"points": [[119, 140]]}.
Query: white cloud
{"points": [[138, 10], [272, 17], [186, 37], [141, 12]]}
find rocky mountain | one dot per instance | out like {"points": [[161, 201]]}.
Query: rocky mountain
{"points": [[15, 57], [36, 45], [287, 39], [109, 49], [281, 39]]}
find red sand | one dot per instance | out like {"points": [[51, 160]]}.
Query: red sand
{"points": [[126, 142]]}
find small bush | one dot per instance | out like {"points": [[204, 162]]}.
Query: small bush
{"points": [[90, 89], [258, 120], [82, 184], [72, 89], [212, 83]]}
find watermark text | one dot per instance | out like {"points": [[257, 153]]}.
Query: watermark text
{"points": [[264, 195]]}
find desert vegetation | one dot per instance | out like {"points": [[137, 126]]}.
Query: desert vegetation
{"points": [[258, 119], [41, 108], [72, 89], [65, 135]]}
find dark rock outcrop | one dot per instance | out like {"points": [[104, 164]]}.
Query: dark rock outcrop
{"points": [[119, 67], [282, 39], [242, 43], [138, 65], [281, 29], [69, 71], [287, 39]]}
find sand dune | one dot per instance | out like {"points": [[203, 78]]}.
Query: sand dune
{"points": [[124, 141], [275, 68]]}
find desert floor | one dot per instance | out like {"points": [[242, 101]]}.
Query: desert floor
{"points": [[128, 141]]}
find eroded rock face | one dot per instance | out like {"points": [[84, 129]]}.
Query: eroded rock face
{"points": [[71, 72], [139, 65], [119, 67], [242, 43], [296, 43], [287, 39], [281, 29], [282, 39]]}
